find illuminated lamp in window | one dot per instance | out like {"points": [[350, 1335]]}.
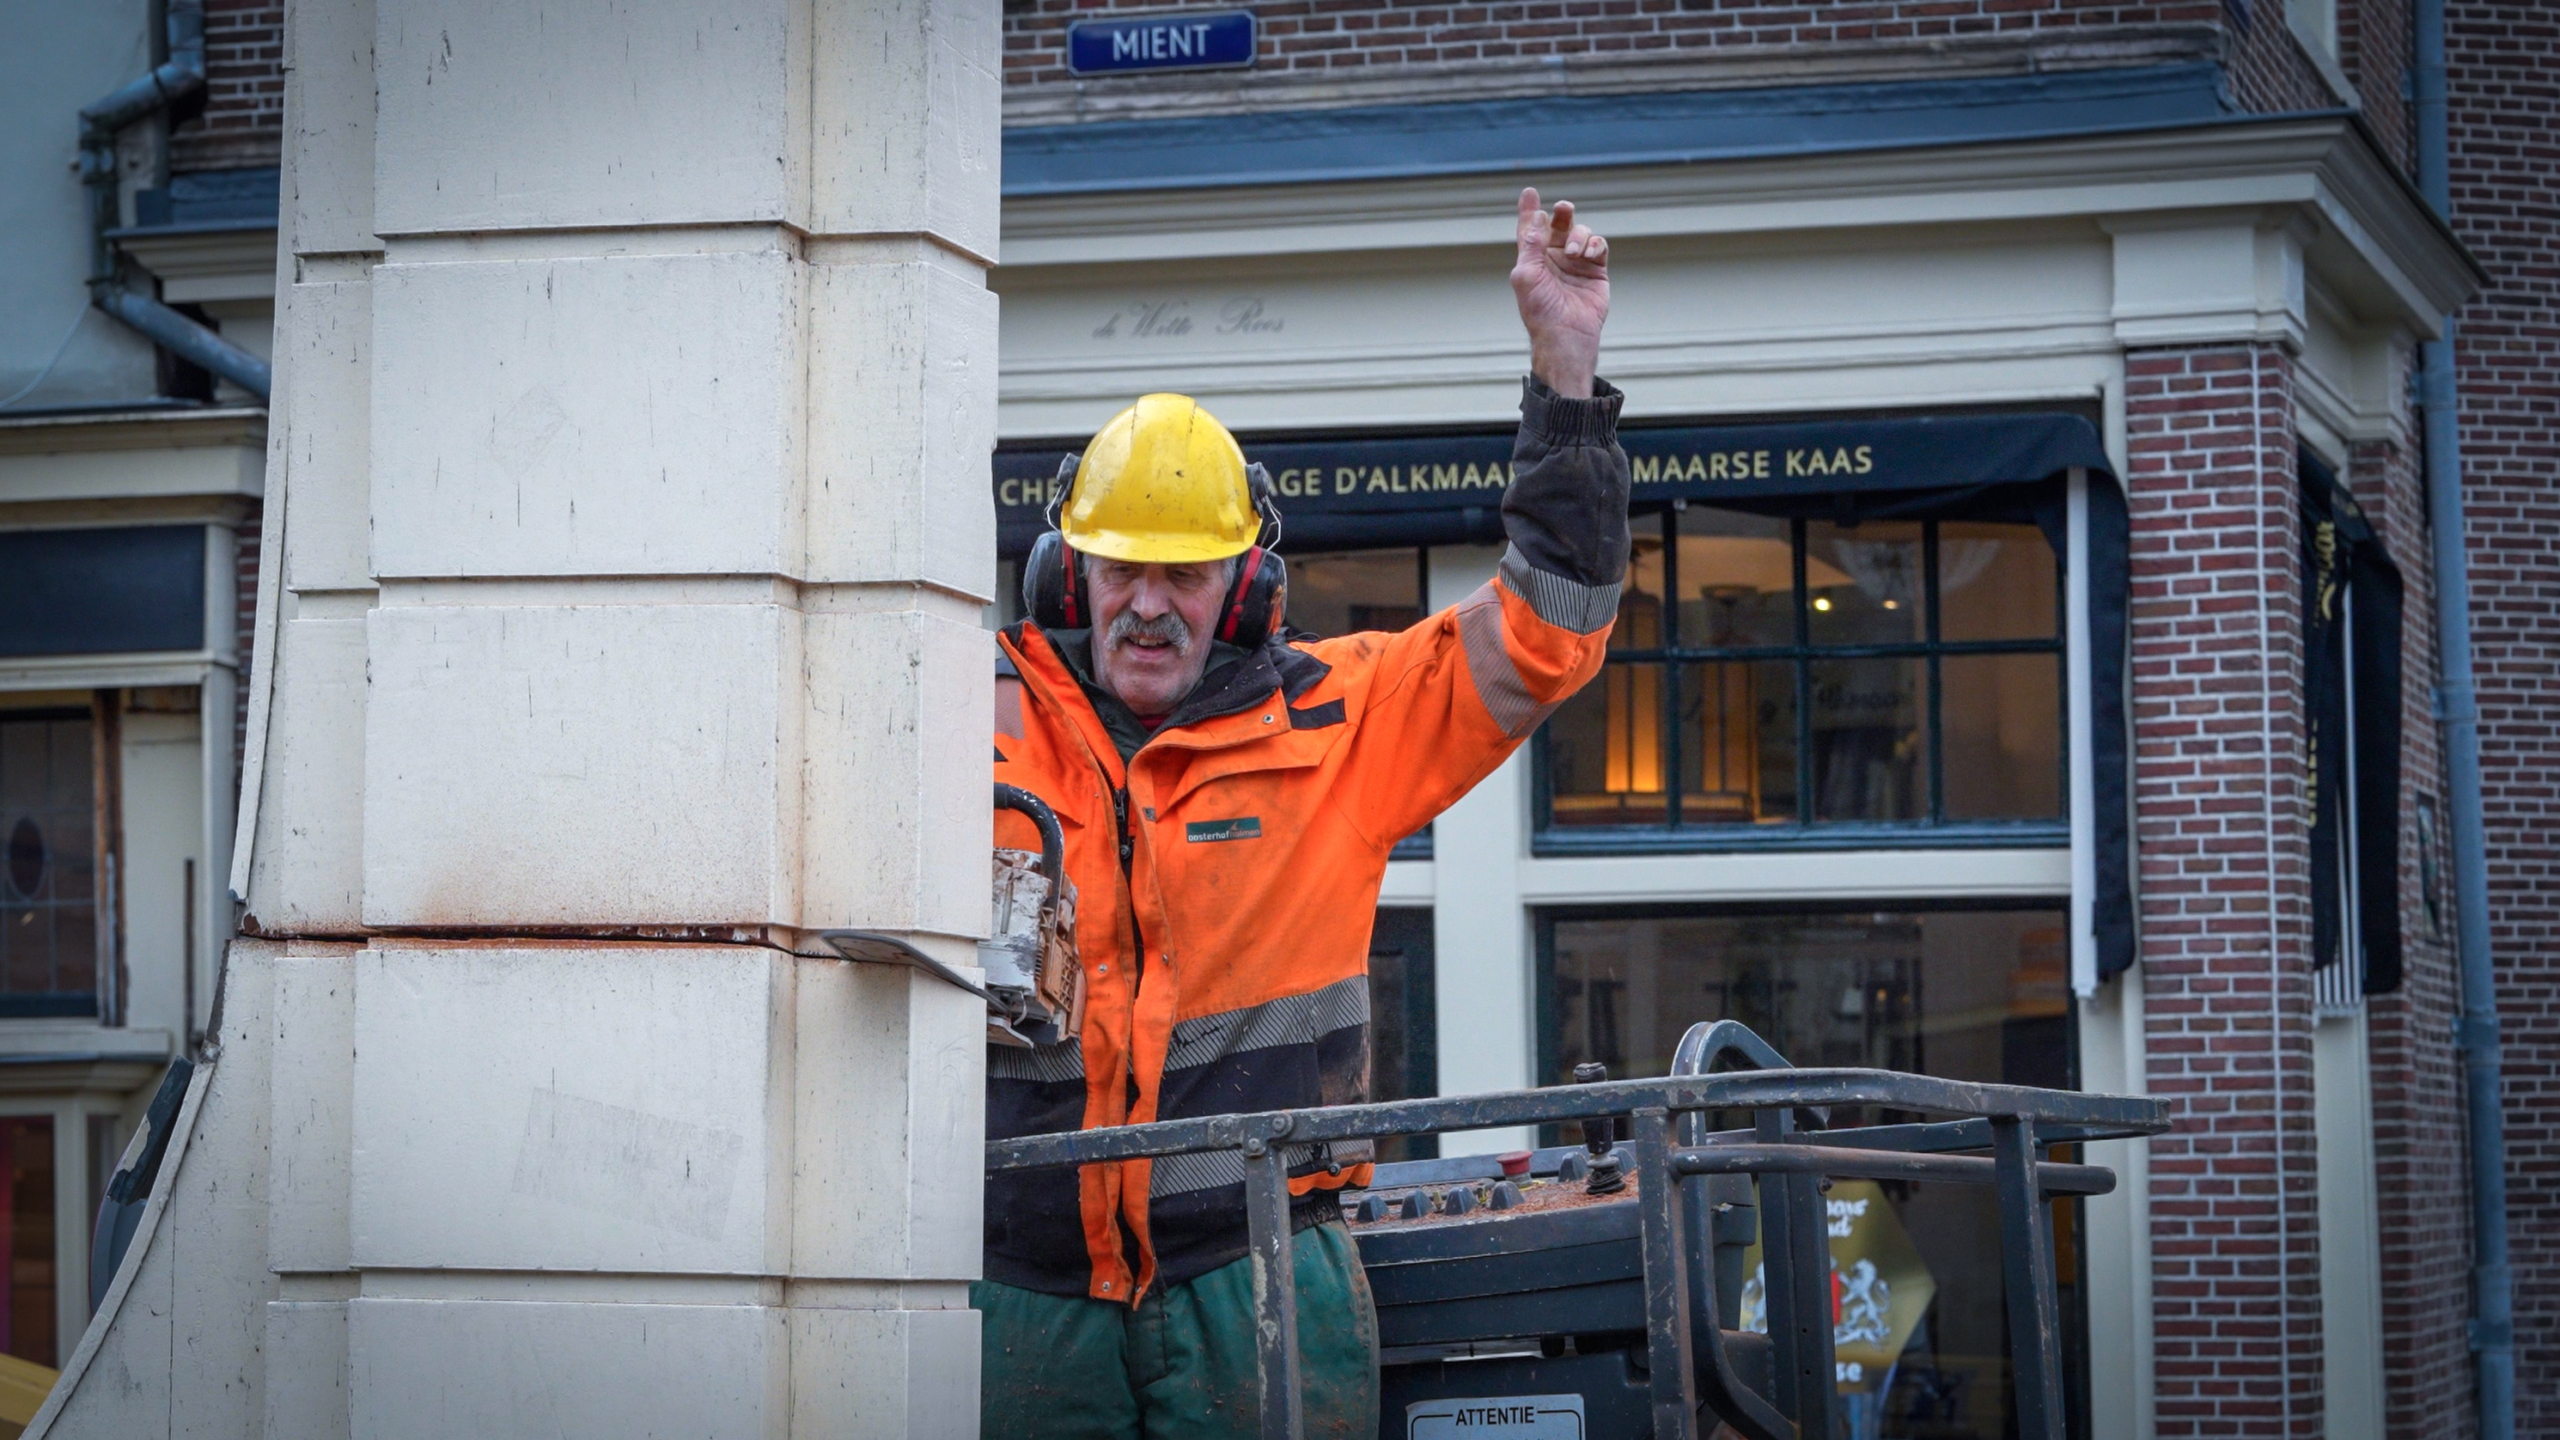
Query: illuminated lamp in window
{"points": [[1633, 764]]}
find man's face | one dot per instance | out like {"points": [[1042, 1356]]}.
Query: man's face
{"points": [[1151, 628]]}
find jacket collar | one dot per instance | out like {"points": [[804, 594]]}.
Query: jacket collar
{"points": [[1236, 681]]}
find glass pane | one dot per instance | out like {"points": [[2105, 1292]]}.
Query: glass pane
{"points": [[1737, 579], [48, 880], [27, 1288], [1343, 593], [1604, 751], [1863, 583], [1962, 994], [1969, 995], [1738, 743], [105, 1149], [2003, 743], [1403, 1046], [1869, 762], [1639, 624], [1996, 582]]}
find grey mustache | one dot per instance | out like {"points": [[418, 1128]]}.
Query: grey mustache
{"points": [[1167, 627]]}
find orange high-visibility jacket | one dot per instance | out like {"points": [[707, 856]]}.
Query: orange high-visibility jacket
{"points": [[1228, 870]]}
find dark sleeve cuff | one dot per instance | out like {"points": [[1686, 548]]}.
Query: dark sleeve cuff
{"points": [[1556, 420]]}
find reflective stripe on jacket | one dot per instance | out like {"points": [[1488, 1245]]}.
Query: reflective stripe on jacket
{"points": [[1228, 872]]}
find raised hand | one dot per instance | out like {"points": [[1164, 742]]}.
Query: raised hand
{"points": [[1561, 280]]}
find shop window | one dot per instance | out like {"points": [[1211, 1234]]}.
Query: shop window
{"points": [[1343, 592], [1973, 994], [1773, 675], [1404, 1044], [51, 901], [27, 1327]]}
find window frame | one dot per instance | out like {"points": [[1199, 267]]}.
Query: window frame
{"points": [[1933, 830]]}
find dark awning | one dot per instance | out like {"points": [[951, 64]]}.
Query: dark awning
{"points": [[1351, 491]]}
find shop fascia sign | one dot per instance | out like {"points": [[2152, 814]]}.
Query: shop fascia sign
{"points": [[1388, 475], [1183, 40]]}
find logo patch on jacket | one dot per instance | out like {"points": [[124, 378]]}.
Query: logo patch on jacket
{"points": [[1248, 827]]}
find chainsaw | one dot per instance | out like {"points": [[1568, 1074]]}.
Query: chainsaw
{"points": [[1034, 985]]}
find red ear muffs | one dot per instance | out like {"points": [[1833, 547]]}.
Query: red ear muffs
{"points": [[1052, 582], [1053, 585], [1257, 600], [1071, 606]]}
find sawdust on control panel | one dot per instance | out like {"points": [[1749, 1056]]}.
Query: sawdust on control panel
{"points": [[1536, 1196]]}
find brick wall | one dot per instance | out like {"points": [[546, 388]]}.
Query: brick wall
{"points": [[1340, 34], [2419, 1171], [2374, 48], [2268, 70], [2218, 746], [2505, 193], [1315, 52], [243, 121]]}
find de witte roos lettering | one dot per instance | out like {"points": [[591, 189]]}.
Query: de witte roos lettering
{"points": [[1178, 318], [1147, 320], [1247, 317]]}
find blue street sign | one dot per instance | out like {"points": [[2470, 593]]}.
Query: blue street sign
{"points": [[1208, 40]]}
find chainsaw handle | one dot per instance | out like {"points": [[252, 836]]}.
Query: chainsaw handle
{"points": [[1053, 840]]}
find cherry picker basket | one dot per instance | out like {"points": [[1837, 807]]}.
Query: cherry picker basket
{"points": [[1659, 1259]]}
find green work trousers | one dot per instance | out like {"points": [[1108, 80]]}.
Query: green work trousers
{"points": [[1181, 1365]]}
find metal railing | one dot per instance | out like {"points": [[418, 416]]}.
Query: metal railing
{"points": [[2011, 1122]]}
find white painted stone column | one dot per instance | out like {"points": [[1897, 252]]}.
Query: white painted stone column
{"points": [[638, 390]]}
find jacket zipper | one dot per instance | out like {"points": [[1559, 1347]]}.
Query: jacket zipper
{"points": [[1128, 883], [1128, 886]]}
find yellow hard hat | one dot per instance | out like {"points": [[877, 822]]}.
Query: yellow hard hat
{"points": [[1162, 484]]}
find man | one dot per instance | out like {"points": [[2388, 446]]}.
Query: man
{"points": [[1228, 814]]}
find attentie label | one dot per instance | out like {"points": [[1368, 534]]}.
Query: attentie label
{"points": [[1246, 827], [1504, 1417]]}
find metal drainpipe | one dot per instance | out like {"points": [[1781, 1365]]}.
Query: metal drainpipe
{"points": [[2457, 707], [180, 77]]}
